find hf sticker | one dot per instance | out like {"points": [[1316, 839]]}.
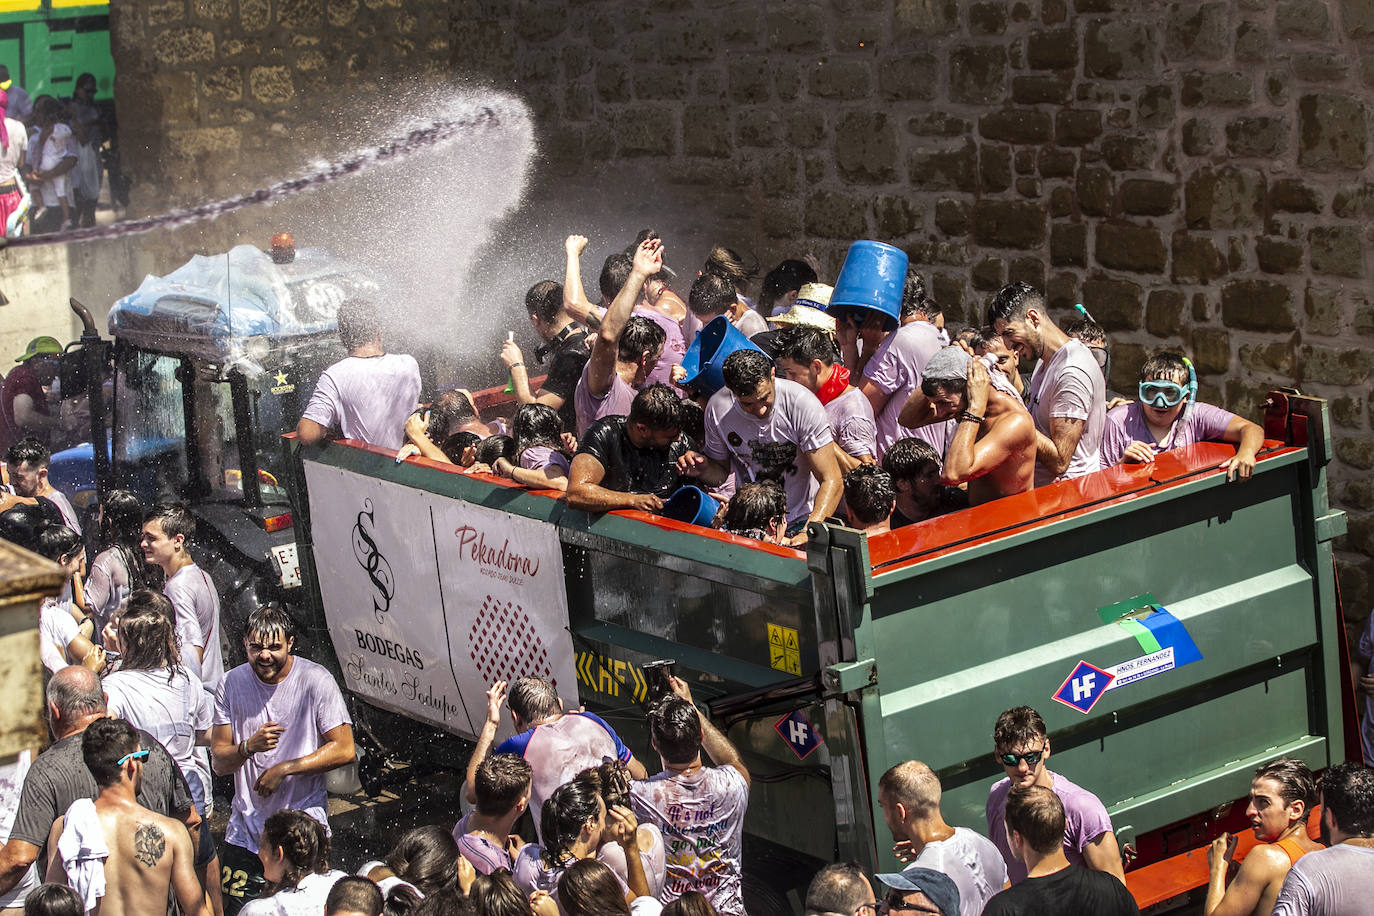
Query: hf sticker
{"points": [[1084, 686]]}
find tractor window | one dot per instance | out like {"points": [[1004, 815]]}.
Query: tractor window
{"points": [[149, 448], [277, 397], [216, 434]]}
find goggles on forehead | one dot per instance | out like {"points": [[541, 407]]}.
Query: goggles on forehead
{"points": [[1162, 394]]}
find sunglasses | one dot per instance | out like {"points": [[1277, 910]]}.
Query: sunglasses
{"points": [[1162, 394], [882, 908], [136, 755], [1032, 758]]}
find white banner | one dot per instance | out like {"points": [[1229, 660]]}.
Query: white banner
{"points": [[430, 599]]}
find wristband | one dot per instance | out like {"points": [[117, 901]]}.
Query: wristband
{"points": [[969, 417], [516, 366], [243, 750]]}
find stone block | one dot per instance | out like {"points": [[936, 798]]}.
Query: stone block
{"points": [[1278, 256], [1077, 127], [1053, 12], [989, 274], [1056, 163], [1198, 30], [750, 79], [1199, 137], [271, 85], [987, 18], [1025, 162], [1116, 304], [841, 79], [789, 79], [816, 166], [1320, 66], [1155, 108], [1301, 19], [832, 215], [953, 217], [1053, 49], [1017, 125], [1061, 290], [755, 127], [179, 47], [160, 14], [1028, 187], [1261, 137], [255, 15], [1257, 305], [1069, 245], [1126, 246], [994, 168], [783, 221], [1052, 89], [1211, 351], [895, 216], [1332, 132], [1224, 198], [1201, 309], [1291, 195], [223, 83], [1196, 259], [944, 170], [303, 15], [1348, 411], [202, 142], [1323, 309], [1344, 366], [1276, 86], [1356, 202], [1063, 202], [648, 130], [613, 83], [653, 84], [866, 147], [978, 74], [1120, 48], [1008, 224], [806, 128], [1030, 271], [795, 26], [1096, 190], [1223, 89], [1336, 250], [938, 124], [1252, 43], [1357, 17], [706, 131], [1358, 494], [1271, 358], [778, 173], [948, 291], [909, 77], [341, 12], [918, 19], [1364, 320], [1164, 313], [1129, 152], [1148, 197]]}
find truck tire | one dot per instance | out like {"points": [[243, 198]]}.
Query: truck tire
{"points": [[761, 898]]}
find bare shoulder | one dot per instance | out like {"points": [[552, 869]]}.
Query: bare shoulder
{"points": [[1266, 860]]}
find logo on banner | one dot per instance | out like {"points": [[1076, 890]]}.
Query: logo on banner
{"points": [[371, 560], [1084, 687], [801, 736], [504, 644]]}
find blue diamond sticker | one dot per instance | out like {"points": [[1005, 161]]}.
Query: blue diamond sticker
{"points": [[1084, 687]]}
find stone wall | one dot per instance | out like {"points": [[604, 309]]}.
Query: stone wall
{"points": [[1198, 174]]}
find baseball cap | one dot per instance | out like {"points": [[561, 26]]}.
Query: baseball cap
{"points": [[40, 346], [939, 887]]}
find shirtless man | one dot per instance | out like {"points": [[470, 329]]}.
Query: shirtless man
{"points": [[1281, 796], [993, 446], [144, 852]]}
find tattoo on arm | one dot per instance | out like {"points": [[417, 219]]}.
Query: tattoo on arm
{"points": [[149, 844]]}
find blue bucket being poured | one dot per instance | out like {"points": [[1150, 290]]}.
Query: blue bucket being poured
{"points": [[705, 358], [692, 505], [872, 278]]}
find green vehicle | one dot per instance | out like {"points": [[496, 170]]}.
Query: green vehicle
{"points": [[47, 44], [828, 666]]}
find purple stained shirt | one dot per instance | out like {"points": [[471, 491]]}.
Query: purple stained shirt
{"points": [[1085, 819], [1126, 424], [538, 457], [896, 370], [615, 402], [851, 423], [367, 398], [674, 346], [484, 855], [1070, 386]]}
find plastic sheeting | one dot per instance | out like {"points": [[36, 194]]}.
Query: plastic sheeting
{"points": [[229, 308]]}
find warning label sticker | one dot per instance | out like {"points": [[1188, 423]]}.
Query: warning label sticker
{"points": [[784, 650]]}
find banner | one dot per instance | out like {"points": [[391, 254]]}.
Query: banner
{"points": [[430, 599]]}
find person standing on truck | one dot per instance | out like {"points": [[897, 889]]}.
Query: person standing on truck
{"points": [[630, 462], [915, 468], [869, 499], [501, 788], [909, 795], [807, 356], [699, 809], [27, 464], [1068, 393], [280, 724], [556, 745], [1339, 880], [1281, 796], [1022, 746], [368, 394], [166, 531], [1051, 885], [565, 348]]}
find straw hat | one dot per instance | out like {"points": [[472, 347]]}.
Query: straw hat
{"points": [[805, 315]]}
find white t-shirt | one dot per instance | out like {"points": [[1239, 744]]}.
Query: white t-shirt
{"points": [[895, 370], [305, 899], [750, 323], [169, 705], [11, 787], [60, 146], [10, 156], [64, 505], [56, 629], [1338, 881], [774, 447], [367, 398], [1070, 386], [193, 595], [972, 862], [307, 703]]}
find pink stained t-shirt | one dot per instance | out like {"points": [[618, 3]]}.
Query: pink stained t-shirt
{"points": [[896, 369], [1085, 819], [674, 345], [1126, 424], [1070, 386], [367, 398]]}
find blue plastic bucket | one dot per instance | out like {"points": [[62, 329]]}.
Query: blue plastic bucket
{"points": [[873, 277], [693, 506], [705, 358]]}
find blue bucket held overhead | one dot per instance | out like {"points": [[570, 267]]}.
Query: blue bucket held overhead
{"points": [[692, 505], [705, 358], [873, 277]]}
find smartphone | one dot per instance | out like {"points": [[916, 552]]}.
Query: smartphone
{"points": [[656, 674]]}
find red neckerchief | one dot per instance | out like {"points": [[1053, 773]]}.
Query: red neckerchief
{"points": [[834, 386]]}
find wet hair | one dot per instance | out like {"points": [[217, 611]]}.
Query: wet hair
{"points": [[614, 274], [913, 784], [85, 79], [53, 900], [1037, 814], [50, 109], [914, 301], [869, 494], [536, 425], [21, 522], [640, 335], [801, 344], [496, 895], [658, 407], [426, 857], [612, 782], [75, 692], [173, 519], [691, 903], [789, 276], [675, 727], [839, 888], [455, 446], [1348, 793], [358, 323], [726, 263], [447, 902], [693, 417], [755, 505], [1012, 301], [499, 782], [28, 450], [304, 843], [121, 529], [1168, 367], [1086, 330], [148, 635], [401, 900], [493, 447], [907, 458], [745, 370], [533, 698], [934, 387], [270, 620], [103, 744], [973, 338], [450, 410], [57, 541], [711, 295], [544, 300], [1294, 779], [1017, 726], [561, 819], [352, 894], [589, 888]]}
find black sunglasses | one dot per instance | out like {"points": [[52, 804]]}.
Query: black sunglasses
{"points": [[1032, 758]]}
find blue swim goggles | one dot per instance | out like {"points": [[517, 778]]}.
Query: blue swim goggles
{"points": [[1162, 394]]}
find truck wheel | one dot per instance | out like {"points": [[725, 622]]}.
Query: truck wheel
{"points": [[763, 899]]}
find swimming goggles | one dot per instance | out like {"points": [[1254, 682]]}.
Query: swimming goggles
{"points": [[136, 755], [1162, 394]]}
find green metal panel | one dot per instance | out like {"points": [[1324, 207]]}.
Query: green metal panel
{"points": [[47, 46]]}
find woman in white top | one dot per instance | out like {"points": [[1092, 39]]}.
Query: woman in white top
{"points": [[294, 850], [119, 568], [64, 627]]}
